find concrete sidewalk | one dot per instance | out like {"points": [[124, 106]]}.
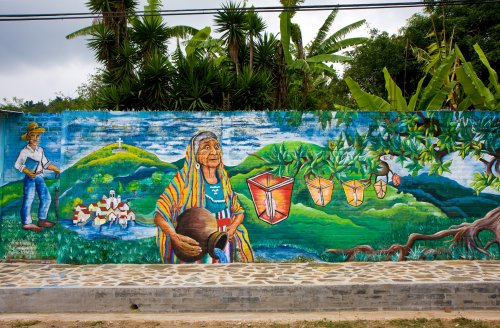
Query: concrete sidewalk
{"points": [[259, 287]]}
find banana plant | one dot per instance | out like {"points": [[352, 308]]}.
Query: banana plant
{"points": [[431, 97], [478, 94]]}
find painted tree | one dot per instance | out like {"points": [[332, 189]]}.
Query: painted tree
{"points": [[133, 186], [96, 179], [465, 236], [107, 179], [417, 141]]}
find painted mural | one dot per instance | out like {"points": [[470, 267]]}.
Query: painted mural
{"points": [[184, 187]]}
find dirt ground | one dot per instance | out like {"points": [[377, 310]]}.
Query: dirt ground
{"points": [[379, 319]]}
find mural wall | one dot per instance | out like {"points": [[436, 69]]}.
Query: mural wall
{"points": [[182, 187]]}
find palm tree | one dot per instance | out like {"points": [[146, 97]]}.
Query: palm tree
{"points": [[150, 33], [231, 22], [254, 25], [137, 69], [110, 31], [266, 51]]}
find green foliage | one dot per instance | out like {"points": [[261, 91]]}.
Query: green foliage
{"points": [[155, 82], [195, 84], [441, 90], [483, 180], [285, 31], [17, 243], [381, 51], [478, 93], [365, 100], [73, 249], [197, 40], [252, 90], [395, 95], [10, 192], [232, 22], [133, 186], [415, 139]]}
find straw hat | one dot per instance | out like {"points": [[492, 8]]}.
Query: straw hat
{"points": [[32, 127]]}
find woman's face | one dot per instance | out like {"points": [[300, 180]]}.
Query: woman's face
{"points": [[209, 153]]}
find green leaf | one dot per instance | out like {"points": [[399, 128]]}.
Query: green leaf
{"points": [[328, 58], [342, 44], [493, 78], [436, 92], [285, 30], [365, 100], [300, 64], [480, 96], [446, 166], [413, 100], [464, 104], [197, 39], [83, 31], [335, 37], [322, 32], [396, 99]]}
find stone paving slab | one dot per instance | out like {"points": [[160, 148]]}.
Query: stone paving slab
{"points": [[426, 285], [14, 275]]}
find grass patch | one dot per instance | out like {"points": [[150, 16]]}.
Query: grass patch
{"points": [[68, 247], [20, 324], [10, 193], [17, 243]]}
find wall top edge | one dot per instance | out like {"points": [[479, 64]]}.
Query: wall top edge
{"points": [[239, 112]]}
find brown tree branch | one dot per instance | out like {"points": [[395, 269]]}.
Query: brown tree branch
{"points": [[464, 235]]}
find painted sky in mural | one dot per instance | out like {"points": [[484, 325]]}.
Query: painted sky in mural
{"points": [[167, 133]]}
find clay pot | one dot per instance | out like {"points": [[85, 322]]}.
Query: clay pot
{"points": [[198, 223], [354, 192], [321, 190], [380, 188], [271, 196]]}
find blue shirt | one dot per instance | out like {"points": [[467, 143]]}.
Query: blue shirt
{"points": [[214, 197]]}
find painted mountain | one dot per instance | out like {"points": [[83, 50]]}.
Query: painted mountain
{"points": [[451, 197]]}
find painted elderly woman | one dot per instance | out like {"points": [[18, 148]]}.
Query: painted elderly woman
{"points": [[202, 182]]}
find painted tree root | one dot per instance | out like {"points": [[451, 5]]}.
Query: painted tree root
{"points": [[464, 235]]}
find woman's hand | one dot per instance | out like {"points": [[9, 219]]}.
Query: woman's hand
{"points": [[230, 233], [185, 244], [231, 229]]}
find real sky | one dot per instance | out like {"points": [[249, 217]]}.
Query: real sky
{"points": [[38, 63]]}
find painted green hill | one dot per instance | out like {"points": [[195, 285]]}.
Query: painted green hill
{"points": [[120, 162], [314, 228], [134, 166]]}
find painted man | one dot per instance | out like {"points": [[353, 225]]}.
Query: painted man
{"points": [[33, 162]]}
